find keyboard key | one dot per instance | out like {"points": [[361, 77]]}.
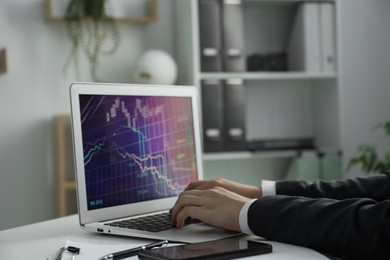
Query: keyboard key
{"points": [[152, 223]]}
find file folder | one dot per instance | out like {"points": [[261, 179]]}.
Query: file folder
{"points": [[304, 43], [213, 115], [233, 36], [235, 104], [210, 35], [328, 37]]}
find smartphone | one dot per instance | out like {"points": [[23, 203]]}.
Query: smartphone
{"points": [[227, 248]]}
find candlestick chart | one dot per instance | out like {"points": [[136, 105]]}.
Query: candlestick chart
{"points": [[136, 148]]}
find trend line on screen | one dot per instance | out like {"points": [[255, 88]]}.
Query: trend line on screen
{"points": [[154, 170], [95, 148]]}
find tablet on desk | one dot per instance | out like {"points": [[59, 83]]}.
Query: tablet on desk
{"points": [[227, 248]]}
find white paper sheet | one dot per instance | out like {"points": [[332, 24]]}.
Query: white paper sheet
{"points": [[89, 251]]}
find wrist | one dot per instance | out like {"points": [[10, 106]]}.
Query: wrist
{"points": [[254, 192]]}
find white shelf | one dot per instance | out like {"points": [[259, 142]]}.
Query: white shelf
{"points": [[275, 154], [248, 155], [268, 75]]}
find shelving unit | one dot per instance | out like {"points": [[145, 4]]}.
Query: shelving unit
{"points": [[286, 104], [269, 75], [150, 17], [249, 155]]}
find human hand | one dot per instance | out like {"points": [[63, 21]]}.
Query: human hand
{"points": [[216, 206], [248, 191]]}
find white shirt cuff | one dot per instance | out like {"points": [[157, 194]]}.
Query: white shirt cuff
{"points": [[243, 218], [268, 188]]}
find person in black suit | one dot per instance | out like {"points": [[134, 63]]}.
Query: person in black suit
{"points": [[346, 218]]}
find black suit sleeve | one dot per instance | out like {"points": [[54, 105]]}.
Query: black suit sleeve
{"points": [[355, 225], [376, 187]]}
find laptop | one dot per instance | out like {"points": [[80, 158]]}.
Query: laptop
{"points": [[136, 148]]}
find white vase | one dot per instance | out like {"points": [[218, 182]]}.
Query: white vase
{"points": [[156, 67]]}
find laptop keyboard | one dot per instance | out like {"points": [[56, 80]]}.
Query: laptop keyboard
{"points": [[152, 223]]}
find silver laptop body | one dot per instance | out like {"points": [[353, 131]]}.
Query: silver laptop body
{"points": [[136, 148]]}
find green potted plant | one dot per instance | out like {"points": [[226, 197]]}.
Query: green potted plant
{"points": [[367, 156], [92, 32]]}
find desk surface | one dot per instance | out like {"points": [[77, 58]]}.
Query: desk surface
{"points": [[42, 240]]}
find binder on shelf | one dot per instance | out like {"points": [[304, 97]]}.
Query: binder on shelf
{"points": [[210, 35], [213, 115], [233, 36], [328, 37], [235, 103], [304, 44], [3, 60]]}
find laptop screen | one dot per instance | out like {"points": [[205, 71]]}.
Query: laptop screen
{"points": [[136, 148]]}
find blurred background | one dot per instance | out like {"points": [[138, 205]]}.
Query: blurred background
{"points": [[34, 92]]}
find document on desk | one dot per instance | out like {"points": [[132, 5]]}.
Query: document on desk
{"points": [[90, 251]]}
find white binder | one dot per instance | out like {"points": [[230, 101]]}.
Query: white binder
{"points": [[304, 45], [233, 36], [328, 37]]}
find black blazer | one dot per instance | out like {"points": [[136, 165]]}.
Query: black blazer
{"points": [[348, 218]]}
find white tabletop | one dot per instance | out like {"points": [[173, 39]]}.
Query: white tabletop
{"points": [[41, 241]]}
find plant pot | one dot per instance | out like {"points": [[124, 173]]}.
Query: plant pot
{"points": [[88, 7], [94, 8]]}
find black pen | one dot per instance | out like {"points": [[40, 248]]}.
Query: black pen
{"points": [[132, 251]]}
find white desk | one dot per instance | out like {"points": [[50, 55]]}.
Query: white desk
{"points": [[41, 241]]}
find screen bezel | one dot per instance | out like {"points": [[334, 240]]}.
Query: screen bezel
{"points": [[76, 89]]}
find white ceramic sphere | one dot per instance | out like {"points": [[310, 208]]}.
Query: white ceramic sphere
{"points": [[156, 67]]}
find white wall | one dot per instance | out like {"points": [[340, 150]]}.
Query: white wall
{"points": [[365, 73], [34, 90]]}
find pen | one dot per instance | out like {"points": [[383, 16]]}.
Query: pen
{"points": [[132, 251]]}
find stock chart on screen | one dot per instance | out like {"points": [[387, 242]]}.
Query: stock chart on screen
{"points": [[136, 148]]}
